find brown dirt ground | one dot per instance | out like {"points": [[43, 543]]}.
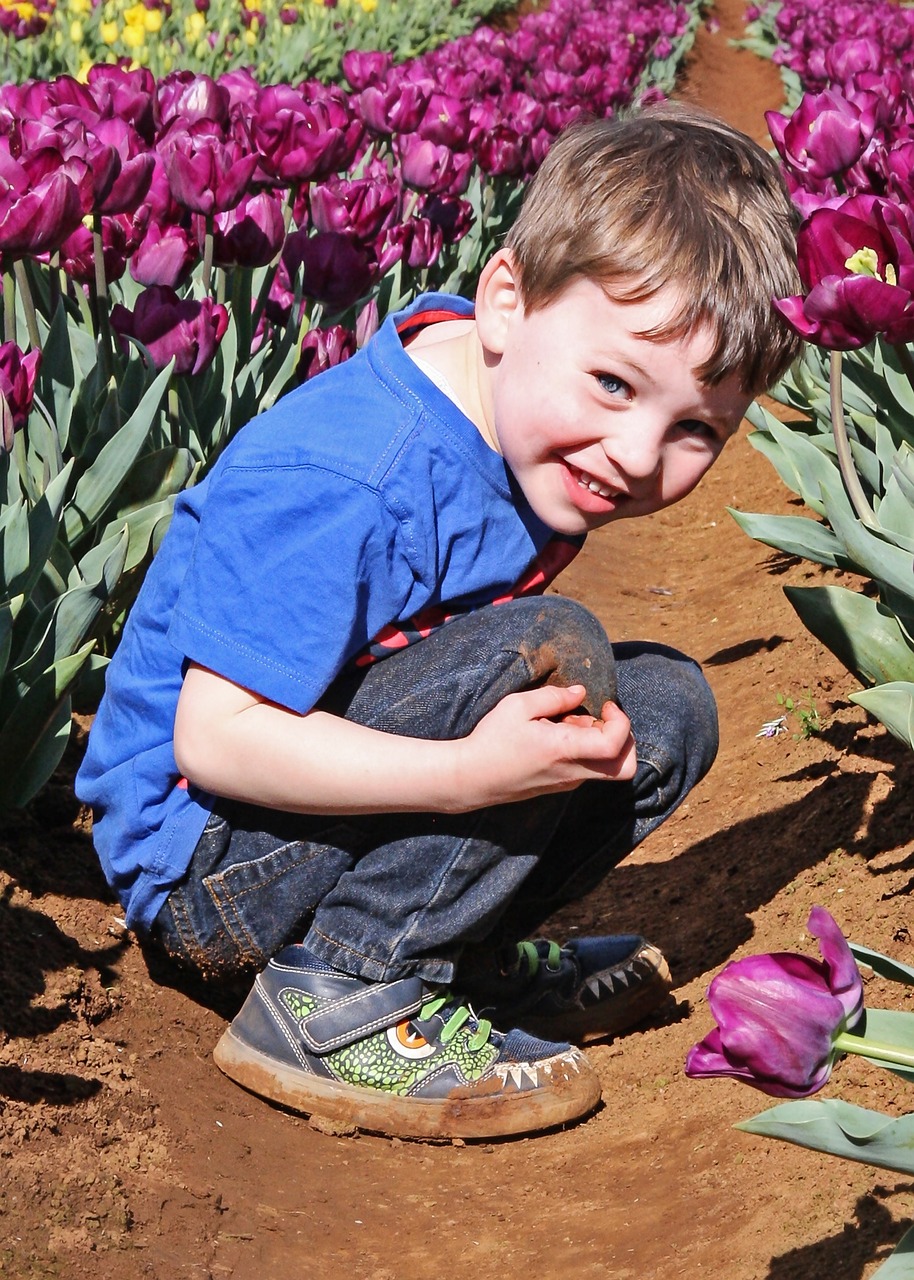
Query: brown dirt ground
{"points": [[124, 1153]]}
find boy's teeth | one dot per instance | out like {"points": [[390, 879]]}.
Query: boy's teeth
{"points": [[588, 482]]}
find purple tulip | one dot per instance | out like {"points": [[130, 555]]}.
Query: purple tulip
{"points": [[362, 206], [323, 348], [429, 167], [362, 69], [122, 94], [446, 121], [172, 327], [394, 107], [207, 172], [165, 256], [778, 1016], [185, 98], [338, 270], [17, 387], [35, 214], [824, 136], [251, 234], [121, 236], [303, 138], [857, 261]]}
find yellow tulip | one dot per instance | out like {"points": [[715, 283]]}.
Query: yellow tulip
{"points": [[109, 32]]}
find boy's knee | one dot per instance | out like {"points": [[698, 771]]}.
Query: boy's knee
{"points": [[563, 643], [670, 703]]}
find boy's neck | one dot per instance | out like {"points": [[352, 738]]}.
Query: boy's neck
{"points": [[452, 347]]}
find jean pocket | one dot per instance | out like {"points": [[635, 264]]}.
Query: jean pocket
{"points": [[267, 901]]}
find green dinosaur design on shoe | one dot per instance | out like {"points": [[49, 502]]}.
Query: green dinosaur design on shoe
{"points": [[396, 1059]]}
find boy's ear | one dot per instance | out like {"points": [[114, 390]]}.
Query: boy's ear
{"points": [[498, 301]]}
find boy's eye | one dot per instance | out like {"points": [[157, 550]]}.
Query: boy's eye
{"points": [[612, 385], [695, 427]]}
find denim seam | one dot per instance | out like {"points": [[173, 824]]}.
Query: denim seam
{"points": [[344, 946], [239, 932]]}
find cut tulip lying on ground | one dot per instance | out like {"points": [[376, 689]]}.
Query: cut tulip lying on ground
{"points": [[784, 1021]]}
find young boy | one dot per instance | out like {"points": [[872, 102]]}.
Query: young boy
{"points": [[347, 737]]}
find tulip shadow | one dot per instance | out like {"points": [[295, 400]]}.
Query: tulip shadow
{"points": [[845, 1255], [697, 904], [745, 649]]}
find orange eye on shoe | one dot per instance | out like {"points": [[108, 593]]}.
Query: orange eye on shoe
{"points": [[407, 1042]]}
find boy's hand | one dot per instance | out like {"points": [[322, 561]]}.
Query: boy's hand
{"points": [[537, 741]]}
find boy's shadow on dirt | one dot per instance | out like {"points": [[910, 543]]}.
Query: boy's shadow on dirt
{"points": [[697, 905], [845, 1255]]}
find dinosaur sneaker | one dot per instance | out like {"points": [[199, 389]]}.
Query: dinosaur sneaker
{"points": [[401, 1058], [588, 989]]}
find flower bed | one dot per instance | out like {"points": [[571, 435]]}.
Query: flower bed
{"points": [[801, 37]]}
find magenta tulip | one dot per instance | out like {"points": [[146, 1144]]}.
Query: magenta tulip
{"points": [[362, 206], [779, 1015], [824, 136], [323, 348], [17, 388], [251, 234], [303, 138], [362, 69], [165, 256], [857, 261], [35, 214], [207, 172], [172, 327], [338, 270]]}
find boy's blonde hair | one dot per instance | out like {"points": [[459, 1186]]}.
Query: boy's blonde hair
{"points": [[669, 196]]}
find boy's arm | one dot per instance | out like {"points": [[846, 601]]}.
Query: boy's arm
{"points": [[231, 743]]}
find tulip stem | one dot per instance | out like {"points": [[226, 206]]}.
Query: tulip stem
{"points": [[9, 305], [843, 447], [267, 283], [208, 247], [28, 303], [100, 299], [889, 1054]]}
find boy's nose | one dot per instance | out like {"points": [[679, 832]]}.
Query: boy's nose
{"points": [[637, 455]]}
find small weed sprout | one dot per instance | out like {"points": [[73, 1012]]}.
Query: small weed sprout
{"points": [[805, 711]]}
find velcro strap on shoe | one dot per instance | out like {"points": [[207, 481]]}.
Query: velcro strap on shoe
{"points": [[374, 1007]]}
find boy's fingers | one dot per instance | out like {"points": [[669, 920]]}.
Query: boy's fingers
{"points": [[552, 700]]}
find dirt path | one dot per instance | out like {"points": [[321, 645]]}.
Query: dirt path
{"points": [[124, 1153]]}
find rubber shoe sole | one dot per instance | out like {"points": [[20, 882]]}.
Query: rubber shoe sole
{"points": [[562, 1088]]}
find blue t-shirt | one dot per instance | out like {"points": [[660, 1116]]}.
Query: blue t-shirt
{"points": [[363, 501]]}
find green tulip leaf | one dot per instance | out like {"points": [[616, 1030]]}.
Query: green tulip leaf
{"points": [[795, 535], [885, 966], [840, 1129], [860, 632], [893, 705], [892, 1027], [880, 558], [99, 484], [800, 464], [35, 734]]}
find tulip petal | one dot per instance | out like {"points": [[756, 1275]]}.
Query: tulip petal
{"points": [[843, 975]]}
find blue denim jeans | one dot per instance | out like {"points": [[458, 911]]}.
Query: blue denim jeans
{"points": [[390, 895]]}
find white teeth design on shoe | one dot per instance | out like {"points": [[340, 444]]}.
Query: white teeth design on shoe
{"points": [[588, 482]]}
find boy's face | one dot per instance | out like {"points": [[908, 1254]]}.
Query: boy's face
{"points": [[595, 423]]}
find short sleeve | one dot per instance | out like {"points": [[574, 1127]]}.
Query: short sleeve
{"points": [[293, 570]]}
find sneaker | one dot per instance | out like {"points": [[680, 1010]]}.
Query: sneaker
{"points": [[588, 989], [400, 1058]]}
